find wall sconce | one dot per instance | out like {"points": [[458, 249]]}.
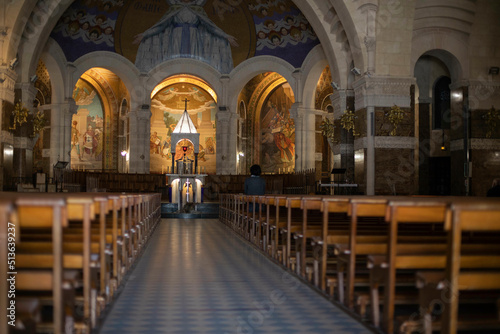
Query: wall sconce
{"points": [[494, 70], [123, 153]]}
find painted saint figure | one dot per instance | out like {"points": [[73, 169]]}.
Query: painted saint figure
{"points": [[89, 141], [75, 142], [185, 31]]}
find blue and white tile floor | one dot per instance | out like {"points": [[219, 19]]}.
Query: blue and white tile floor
{"points": [[197, 276]]}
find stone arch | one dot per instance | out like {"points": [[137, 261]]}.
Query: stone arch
{"points": [[245, 71], [312, 69], [54, 60], [119, 65], [191, 67], [336, 30], [446, 47]]}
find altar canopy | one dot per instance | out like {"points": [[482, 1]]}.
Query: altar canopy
{"points": [[185, 129]]}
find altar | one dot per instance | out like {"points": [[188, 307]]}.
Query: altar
{"points": [[185, 180]]}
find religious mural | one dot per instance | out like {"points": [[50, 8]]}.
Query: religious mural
{"points": [[87, 129], [323, 90], [218, 32], [167, 107], [277, 133]]}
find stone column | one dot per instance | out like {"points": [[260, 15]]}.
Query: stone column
{"points": [[370, 10], [297, 116], [475, 138], [424, 143], [60, 131], [140, 133], [343, 147], [7, 83], [305, 136], [226, 141], [384, 163], [23, 139]]}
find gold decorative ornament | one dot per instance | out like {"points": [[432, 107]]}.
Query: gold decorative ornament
{"points": [[39, 122], [492, 116], [347, 121], [20, 115], [395, 116], [327, 129]]}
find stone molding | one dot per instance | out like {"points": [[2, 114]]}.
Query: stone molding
{"points": [[392, 142], [339, 148], [476, 144], [7, 137], [381, 91], [23, 143]]}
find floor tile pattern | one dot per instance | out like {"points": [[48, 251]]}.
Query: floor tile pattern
{"points": [[197, 276]]}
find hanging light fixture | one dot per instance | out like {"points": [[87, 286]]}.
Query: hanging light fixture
{"points": [[443, 146]]}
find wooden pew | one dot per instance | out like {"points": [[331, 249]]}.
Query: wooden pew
{"points": [[262, 223], [411, 211], [470, 217], [335, 205], [359, 207], [44, 212], [137, 211], [293, 223], [311, 227], [279, 202]]}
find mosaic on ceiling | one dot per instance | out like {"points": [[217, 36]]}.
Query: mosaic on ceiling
{"points": [[220, 33]]}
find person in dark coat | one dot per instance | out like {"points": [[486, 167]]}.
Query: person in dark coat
{"points": [[255, 185], [494, 191]]}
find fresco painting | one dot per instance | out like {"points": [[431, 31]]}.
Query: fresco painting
{"points": [[87, 129], [220, 33], [277, 133], [167, 107]]}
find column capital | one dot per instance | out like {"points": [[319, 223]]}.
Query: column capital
{"points": [[297, 111], [142, 114], [69, 107], [224, 114], [339, 101]]}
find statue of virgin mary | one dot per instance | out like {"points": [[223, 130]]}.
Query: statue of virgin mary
{"points": [[185, 31]]}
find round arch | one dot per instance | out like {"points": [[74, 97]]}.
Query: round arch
{"points": [[119, 65], [452, 51], [54, 60], [313, 67], [245, 71], [182, 66]]}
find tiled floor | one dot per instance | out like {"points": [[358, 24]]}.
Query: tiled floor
{"points": [[197, 276]]}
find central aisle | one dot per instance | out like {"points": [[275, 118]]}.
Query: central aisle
{"points": [[197, 276]]}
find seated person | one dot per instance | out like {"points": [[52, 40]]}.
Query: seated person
{"points": [[255, 185]]}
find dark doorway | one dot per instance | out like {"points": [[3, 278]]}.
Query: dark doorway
{"points": [[440, 176], [442, 103]]}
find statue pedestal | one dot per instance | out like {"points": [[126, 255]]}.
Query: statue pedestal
{"points": [[186, 188]]}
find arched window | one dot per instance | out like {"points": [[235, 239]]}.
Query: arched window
{"points": [[441, 115]]}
